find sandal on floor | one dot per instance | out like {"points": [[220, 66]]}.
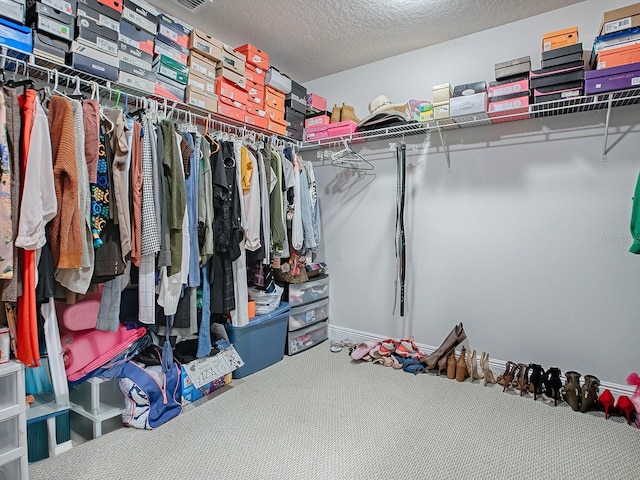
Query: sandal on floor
{"points": [[363, 349], [335, 346]]}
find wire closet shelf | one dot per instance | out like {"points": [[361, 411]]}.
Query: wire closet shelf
{"points": [[44, 70]]}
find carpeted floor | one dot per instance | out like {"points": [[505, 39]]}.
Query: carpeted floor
{"points": [[318, 415]]}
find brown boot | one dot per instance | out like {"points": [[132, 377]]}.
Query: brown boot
{"points": [[488, 375], [335, 114], [461, 367], [455, 336], [348, 113], [451, 365]]}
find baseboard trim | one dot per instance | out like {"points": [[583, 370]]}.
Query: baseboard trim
{"points": [[337, 332]]}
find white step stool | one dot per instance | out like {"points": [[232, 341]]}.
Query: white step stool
{"points": [[97, 400]]}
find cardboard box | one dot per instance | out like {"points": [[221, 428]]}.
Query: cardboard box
{"points": [[294, 119], [342, 128], [545, 77], [510, 107], [255, 74], [562, 61], [298, 104], [613, 40], [559, 38], [140, 17], [511, 68], [294, 134], [623, 55], [135, 37], [232, 103], [441, 110], [611, 79], [231, 112], [297, 90], [475, 103], [275, 115], [273, 98], [277, 127], [256, 109], [442, 93], [257, 121], [49, 47], [200, 100], [232, 76], [95, 40], [254, 55], [168, 67], [92, 66], [508, 87], [113, 4], [169, 30], [99, 7], [317, 120], [555, 97], [93, 24], [316, 103], [125, 57], [98, 55], [254, 89], [190, 393], [134, 52], [224, 88], [469, 89], [203, 371], [134, 81], [620, 19], [14, 11], [567, 89], [148, 75], [278, 81], [47, 19], [258, 102], [64, 6], [167, 50], [170, 90], [205, 44], [232, 60], [318, 135], [202, 65], [202, 85]]}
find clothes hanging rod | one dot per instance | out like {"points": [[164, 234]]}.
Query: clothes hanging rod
{"points": [[33, 67]]}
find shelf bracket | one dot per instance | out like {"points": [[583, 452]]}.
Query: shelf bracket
{"points": [[605, 148], [444, 147]]}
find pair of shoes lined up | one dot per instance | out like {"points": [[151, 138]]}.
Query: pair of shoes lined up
{"points": [[580, 397], [628, 407], [342, 114], [532, 378]]}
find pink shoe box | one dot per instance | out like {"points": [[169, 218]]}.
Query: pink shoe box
{"points": [[508, 87], [511, 107], [318, 120], [316, 102], [342, 128], [317, 128], [319, 135]]}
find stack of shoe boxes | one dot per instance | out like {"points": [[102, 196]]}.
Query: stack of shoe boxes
{"points": [[231, 84], [509, 94], [14, 36], [295, 106], [277, 86], [256, 66], [136, 69], [562, 67], [316, 123], [171, 51], [616, 52], [95, 47], [441, 112], [204, 54], [469, 104], [53, 23]]}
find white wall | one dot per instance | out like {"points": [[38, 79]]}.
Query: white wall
{"points": [[525, 240]]}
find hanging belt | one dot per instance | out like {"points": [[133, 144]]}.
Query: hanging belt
{"points": [[401, 260]]}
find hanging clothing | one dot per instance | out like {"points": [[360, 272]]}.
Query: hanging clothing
{"points": [[240, 316], [6, 226], [191, 189], [275, 206], [150, 243], [251, 198], [136, 193], [205, 206]]}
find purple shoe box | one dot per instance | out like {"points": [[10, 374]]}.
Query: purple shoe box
{"points": [[611, 79]]}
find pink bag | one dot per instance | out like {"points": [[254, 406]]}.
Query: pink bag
{"points": [[82, 315], [87, 350], [634, 379]]}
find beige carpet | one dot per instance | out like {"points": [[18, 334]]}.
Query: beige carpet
{"points": [[318, 415]]}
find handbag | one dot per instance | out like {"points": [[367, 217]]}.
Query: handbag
{"points": [[293, 271]]}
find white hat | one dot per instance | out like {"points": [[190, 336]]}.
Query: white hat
{"points": [[381, 110]]}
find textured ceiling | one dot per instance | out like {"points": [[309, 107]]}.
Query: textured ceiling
{"points": [[309, 39]]}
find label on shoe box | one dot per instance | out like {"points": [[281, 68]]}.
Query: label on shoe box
{"points": [[91, 52], [136, 38], [143, 18], [202, 65], [61, 5], [137, 71], [135, 61], [49, 25], [201, 85], [99, 18], [92, 39], [100, 7], [136, 82]]}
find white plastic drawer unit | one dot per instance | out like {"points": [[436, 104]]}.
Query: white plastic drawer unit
{"points": [[305, 338], [9, 435], [9, 388], [316, 288], [300, 317]]}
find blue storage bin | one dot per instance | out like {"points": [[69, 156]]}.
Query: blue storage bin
{"points": [[15, 37], [261, 342]]}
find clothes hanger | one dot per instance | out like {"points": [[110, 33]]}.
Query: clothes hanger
{"points": [[348, 158], [103, 117], [209, 138]]}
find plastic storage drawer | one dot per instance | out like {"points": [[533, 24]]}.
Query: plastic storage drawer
{"points": [[316, 288], [303, 316], [311, 336], [261, 342], [9, 435]]}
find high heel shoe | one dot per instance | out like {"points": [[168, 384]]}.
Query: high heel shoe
{"points": [[606, 401], [552, 384], [452, 365], [488, 375], [572, 394], [535, 379], [438, 358], [625, 407], [507, 376], [461, 366], [522, 380], [589, 392], [472, 367]]}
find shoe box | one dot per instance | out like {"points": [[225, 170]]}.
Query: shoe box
{"points": [[254, 56], [612, 40], [93, 61], [172, 32], [14, 36], [559, 38], [228, 108], [255, 94], [562, 56], [107, 17], [168, 51], [276, 126], [315, 103], [469, 103], [197, 99], [258, 120], [442, 93], [618, 56], [170, 90], [297, 98], [42, 17], [274, 104], [170, 68], [295, 124], [509, 99], [140, 16], [133, 39], [555, 81], [316, 120], [512, 68], [94, 35], [231, 91], [14, 10], [278, 81], [205, 45], [201, 66], [49, 47], [105, 8], [255, 74], [231, 76], [202, 85], [611, 79], [620, 19]]}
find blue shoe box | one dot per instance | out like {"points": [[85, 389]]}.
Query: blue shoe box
{"points": [[15, 37], [262, 341]]}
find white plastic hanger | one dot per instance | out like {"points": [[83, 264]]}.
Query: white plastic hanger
{"points": [[348, 158]]}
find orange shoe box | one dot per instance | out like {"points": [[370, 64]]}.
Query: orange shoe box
{"points": [[277, 127], [255, 89], [255, 74], [254, 55], [559, 38], [616, 57], [254, 109], [274, 99], [224, 88], [256, 121], [275, 115], [231, 112], [258, 102], [233, 103]]}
